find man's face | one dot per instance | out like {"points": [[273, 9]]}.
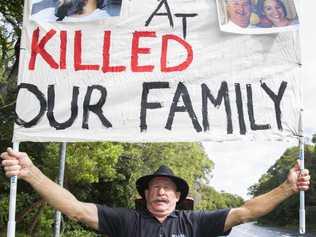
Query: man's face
{"points": [[239, 12], [161, 196]]}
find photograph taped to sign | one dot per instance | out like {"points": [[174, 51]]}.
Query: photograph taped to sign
{"points": [[74, 10], [165, 73], [257, 16]]}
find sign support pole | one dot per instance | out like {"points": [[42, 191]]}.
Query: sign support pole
{"points": [[62, 159], [301, 159], [12, 202]]}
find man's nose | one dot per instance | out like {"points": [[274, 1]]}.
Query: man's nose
{"points": [[240, 9], [161, 191]]}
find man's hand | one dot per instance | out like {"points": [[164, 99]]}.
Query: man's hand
{"points": [[19, 164], [16, 163], [297, 179]]}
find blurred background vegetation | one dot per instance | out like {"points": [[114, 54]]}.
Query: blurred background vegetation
{"points": [[287, 213], [106, 172], [95, 172]]}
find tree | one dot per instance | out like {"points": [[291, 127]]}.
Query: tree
{"points": [[10, 34], [95, 172], [287, 212], [105, 173], [210, 199]]}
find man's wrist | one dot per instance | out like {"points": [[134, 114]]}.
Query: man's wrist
{"points": [[34, 175], [287, 189]]}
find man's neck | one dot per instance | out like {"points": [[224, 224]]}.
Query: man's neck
{"points": [[161, 217]]}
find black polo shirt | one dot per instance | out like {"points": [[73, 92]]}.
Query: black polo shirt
{"points": [[122, 222]]}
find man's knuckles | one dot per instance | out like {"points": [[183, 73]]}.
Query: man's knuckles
{"points": [[12, 173], [12, 168], [304, 172], [9, 162], [6, 156]]}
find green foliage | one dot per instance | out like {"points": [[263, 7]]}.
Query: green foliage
{"points": [[79, 233], [73, 229], [232, 200], [187, 159], [287, 212], [4, 206], [95, 172], [210, 199], [10, 33], [106, 173]]}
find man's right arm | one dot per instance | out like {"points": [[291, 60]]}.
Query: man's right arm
{"points": [[19, 164]]}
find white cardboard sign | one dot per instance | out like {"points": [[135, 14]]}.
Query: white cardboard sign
{"points": [[159, 71]]}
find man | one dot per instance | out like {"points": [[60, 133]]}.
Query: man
{"points": [[161, 190], [239, 12]]}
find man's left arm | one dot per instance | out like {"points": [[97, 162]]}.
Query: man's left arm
{"points": [[296, 181]]}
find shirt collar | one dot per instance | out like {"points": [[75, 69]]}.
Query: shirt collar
{"points": [[148, 214], [174, 214]]}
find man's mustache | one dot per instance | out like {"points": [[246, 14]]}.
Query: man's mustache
{"points": [[165, 200]]}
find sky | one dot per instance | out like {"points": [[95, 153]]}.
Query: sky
{"points": [[238, 165]]}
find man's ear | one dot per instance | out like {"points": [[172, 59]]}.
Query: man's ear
{"points": [[146, 194], [178, 194]]}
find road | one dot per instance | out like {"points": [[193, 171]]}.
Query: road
{"points": [[252, 230]]}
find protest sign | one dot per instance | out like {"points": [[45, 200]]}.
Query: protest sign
{"points": [[158, 71], [308, 39]]}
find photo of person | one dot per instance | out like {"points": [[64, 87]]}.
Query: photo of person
{"points": [[274, 14], [257, 16], [74, 10], [239, 12]]}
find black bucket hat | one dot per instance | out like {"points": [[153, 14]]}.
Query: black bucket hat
{"points": [[163, 171]]}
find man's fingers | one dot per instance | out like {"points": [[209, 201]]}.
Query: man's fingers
{"points": [[303, 181], [9, 162], [303, 186], [304, 172], [6, 156], [304, 178], [12, 173], [12, 168], [12, 162], [3, 154], [10, 154], [16, 154]]}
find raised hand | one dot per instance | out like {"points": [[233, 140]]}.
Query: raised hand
{"points": [[298, 179], [16, 163]]}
